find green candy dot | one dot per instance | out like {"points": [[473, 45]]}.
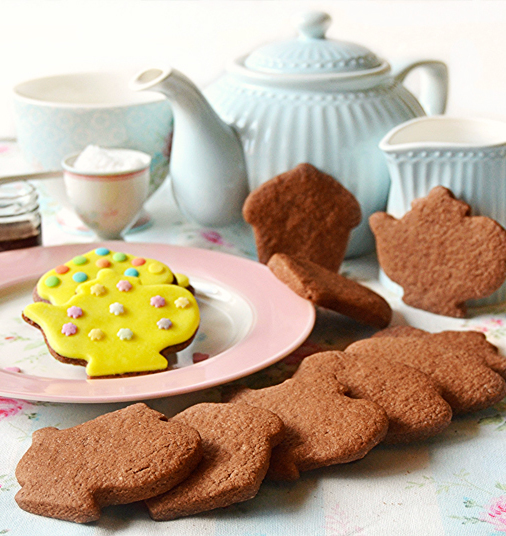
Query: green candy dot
{"points": [[79, 260], [119, 257], [52, 281]]}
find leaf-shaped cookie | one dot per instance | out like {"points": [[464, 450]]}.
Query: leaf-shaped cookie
{"points": [[441, 255]]}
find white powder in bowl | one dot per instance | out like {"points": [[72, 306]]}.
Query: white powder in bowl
{"points": [[97, 159]]}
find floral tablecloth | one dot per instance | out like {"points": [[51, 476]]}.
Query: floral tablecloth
{"points": [[454, 484]]}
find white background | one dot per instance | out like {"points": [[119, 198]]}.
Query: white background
{"points": [[43, 37]]}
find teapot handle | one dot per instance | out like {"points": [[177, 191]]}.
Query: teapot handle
{"points": [[433, 83]]}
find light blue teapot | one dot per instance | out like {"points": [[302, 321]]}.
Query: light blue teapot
{"points": [[308, 99]]}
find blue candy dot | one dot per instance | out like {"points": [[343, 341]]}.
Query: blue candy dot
{"points": [[132, 271], [102, 251], [79, 277]]}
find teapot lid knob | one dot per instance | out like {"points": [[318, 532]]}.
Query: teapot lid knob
{"points": [[313, 24]]}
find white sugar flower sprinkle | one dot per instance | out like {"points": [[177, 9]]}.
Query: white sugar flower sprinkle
{"points": [[116, 308], [125, 334], [164, 323]]}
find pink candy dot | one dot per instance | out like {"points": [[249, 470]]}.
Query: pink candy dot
{"points": [[157, 301], [69, 329], [124, 286], [138, 261], [74, 312]]}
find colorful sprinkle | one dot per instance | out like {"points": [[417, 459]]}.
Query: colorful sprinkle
{"points": [[181, 303], [79, 260], [198, 357], [52, 281], [125, 334], [102, 251], [103, 263], [164, 323], [156, 268], [80, 277], [124, 286], [69, 329], [132, 272], [138, 261], [97, 289], [12, 369], [157, 301], [96, 334], [116, 308], [62, 269], [74, 312], [119, 257]]}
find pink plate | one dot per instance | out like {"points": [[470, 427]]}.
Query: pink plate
{"points": [[265, 319]]}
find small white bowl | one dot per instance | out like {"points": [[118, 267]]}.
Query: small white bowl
{"points": [[108, 202]]}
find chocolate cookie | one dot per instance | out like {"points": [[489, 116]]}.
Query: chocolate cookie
{"points": [[323, 426], [441, 255], [118, 458], [305, 213], [464, 379], [331, 290], [412, 402], [118, 327], [237, 442], [473, 342]]}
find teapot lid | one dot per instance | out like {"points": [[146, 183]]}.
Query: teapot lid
{"points": [[311, 52]]}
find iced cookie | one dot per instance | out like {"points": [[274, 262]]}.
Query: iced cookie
{"points": [[412, 402], [117, 326], [237, 442], [121, 457], [441, 255], [305, 213], [464, 379], [331, 290], [323, 426], [58, 285]]}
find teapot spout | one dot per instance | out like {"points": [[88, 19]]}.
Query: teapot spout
{"points": [[207, 165]]}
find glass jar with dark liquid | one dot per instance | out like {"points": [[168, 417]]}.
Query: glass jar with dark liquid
{"points": [[20, 220]]}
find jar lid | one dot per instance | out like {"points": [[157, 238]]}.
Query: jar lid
{"points": [[311, 52]]}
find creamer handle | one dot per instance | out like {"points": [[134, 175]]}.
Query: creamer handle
{"points": [[433, 83]]}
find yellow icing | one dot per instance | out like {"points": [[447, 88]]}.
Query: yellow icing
{"points": [[150, 273], [97, 341], [182, 280]]}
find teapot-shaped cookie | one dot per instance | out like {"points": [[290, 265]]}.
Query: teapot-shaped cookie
{"points": [[309, 99]]}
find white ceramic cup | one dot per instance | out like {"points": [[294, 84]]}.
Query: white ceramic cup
{"points": [[108, 202], [466, 155]]}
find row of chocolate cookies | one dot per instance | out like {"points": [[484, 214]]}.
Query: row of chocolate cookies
{"points": [[401, 385]]}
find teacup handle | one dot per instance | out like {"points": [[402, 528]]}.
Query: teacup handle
{"points": [[433, 83]]}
